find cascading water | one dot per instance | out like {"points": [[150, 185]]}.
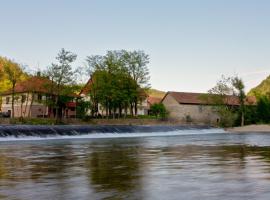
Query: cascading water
{"points": [[35, 132]]}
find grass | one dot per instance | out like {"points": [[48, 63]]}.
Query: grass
{"points": [[33, 121]]}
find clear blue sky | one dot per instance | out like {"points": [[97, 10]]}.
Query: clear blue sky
{"points": [[190, 43]]}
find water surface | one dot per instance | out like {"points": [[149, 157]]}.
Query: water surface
{"points": [[202, 164]]}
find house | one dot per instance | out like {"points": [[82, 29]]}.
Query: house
{"points": [[32, 99], [193, 107]]}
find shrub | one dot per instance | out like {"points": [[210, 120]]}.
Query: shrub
{"points": [[159, 110]]}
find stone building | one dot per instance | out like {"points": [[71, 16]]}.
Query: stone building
{"points": [[192, 107]]}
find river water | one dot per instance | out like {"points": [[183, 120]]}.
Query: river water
{"points": [[198, 164]]}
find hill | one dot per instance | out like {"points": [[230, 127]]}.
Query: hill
{"points": [[262, 89], [156, 93]]}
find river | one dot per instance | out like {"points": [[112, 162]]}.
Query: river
{"points": [[182, 164]]}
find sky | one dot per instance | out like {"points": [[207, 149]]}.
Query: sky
{"points": [[191, 43]]}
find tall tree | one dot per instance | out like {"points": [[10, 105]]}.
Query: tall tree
{"points": [[219, 96], [14, 73], [239, 87], [118, 80], [61, 74], [136, 63]]}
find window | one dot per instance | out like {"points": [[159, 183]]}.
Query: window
{"points": [[23, 98], [7, 100], [39, 97], [72, 109]]}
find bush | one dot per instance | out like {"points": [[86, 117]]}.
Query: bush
{"points": [[227, 116], [159, 110], [263, 110]]}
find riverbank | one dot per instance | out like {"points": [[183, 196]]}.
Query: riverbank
{"points": [[127, 121], [264, 128]]}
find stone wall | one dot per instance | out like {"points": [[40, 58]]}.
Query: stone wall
{"points": [[190, 112]]}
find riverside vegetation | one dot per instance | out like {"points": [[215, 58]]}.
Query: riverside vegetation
{"points": [[119, 82]]}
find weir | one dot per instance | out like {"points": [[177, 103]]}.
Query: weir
{"points": [[73, 130]]}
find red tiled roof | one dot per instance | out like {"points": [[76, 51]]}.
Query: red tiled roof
{"points": [[153, 100], [86, 89], [35, 84], [32, 84], [198, 98], [251, 100]]}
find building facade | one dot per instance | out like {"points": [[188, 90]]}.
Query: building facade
{"points": [[32, 99], [191, 107]]}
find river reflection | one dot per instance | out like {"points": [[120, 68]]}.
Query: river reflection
{"points": [[219, 166]]}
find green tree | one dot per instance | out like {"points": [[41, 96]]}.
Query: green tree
{"points": [[136, 64], [219, 97], [239, 87], [14, 74], [118, 80], [159, 110], [263, 109], [61, 74]]}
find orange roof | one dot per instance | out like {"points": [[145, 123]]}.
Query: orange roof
{"points": [[86, 89], [32, 84], [197, 98], [153, 100], [35, 84]]}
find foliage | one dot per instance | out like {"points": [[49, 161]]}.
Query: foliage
{"points": [[159, 110], [156, 93], [263, 89], [82, 108], [61, 75], [118, 81], [227, 116], [14, 74], [263, 110], [240, 93], [33, 121], [219, 96]]}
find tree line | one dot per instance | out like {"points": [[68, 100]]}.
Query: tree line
{"points": [[119, 81], [243, 114]]}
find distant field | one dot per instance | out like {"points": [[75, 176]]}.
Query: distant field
{"points": [[156, 93]]}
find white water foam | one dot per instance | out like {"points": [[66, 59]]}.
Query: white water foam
{"points": [[115, 135]]}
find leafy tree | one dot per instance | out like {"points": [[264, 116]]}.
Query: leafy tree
{"points": [[61, 74], [263, 109], [14, 74], [136, 64], [159, 110], [118, 81], [219, 96], [240, 93]]}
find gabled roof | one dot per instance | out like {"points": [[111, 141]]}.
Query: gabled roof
{"points": [[35, 84], [32, 84], [153, 100], [86, 89], [198, 99]]}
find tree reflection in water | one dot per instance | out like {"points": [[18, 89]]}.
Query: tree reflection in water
{"points": [[115, 168], [146, 168]]}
